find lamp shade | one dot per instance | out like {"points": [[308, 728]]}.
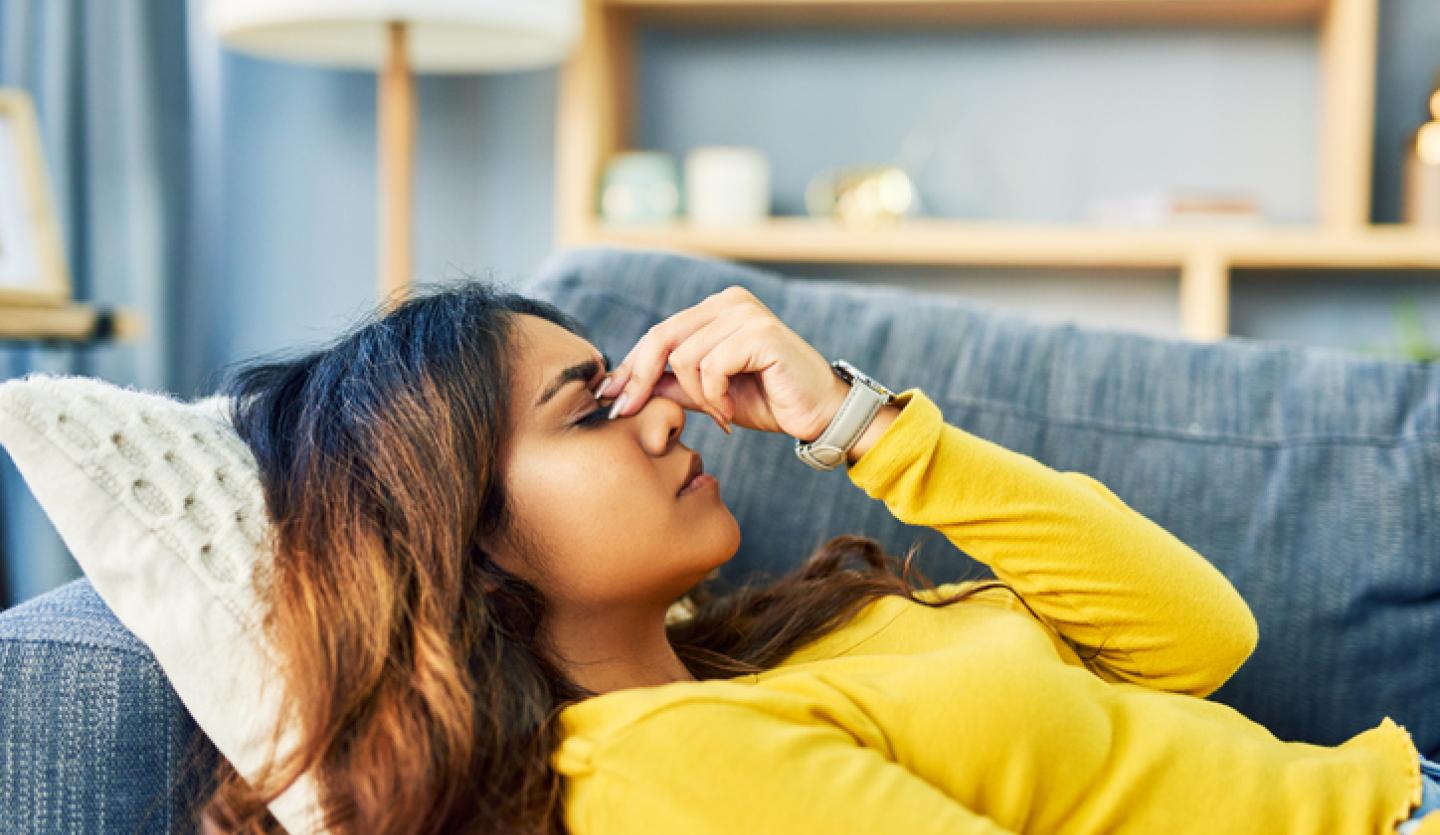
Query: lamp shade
{"points": [[444, 36]]}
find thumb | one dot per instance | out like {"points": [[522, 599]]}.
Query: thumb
{"points": [[668, 386]]}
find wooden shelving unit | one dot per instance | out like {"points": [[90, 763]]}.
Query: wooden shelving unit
{"points": [[68, 323], [595, 115], [910, 12]]}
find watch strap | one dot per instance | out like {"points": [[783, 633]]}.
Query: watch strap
{"points": [[854, 416]]}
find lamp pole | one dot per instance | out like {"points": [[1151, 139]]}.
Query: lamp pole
{"points": [[396, 130]]}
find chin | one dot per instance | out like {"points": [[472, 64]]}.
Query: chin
{"points": [[733, 541], [721, 547]]}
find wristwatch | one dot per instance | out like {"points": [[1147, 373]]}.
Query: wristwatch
{"points": [[850, 422]]}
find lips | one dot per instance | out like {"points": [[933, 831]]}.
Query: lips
{"points": [[697, 466]]}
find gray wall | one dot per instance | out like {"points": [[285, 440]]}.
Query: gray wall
{"points": [[1001, 124]]}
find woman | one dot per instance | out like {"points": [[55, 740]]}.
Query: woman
{"points": [[479, 535]]}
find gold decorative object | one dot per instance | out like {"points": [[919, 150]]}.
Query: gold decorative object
{"points": [[865, 196]]}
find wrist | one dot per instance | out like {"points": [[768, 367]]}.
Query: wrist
{"points": [[839, 390], [872, 433], [869, 410]]}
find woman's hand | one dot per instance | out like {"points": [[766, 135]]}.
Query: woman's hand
{"points": [[733, 359]]}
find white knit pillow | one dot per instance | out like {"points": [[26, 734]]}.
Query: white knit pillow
{"points": [[160, 503]]}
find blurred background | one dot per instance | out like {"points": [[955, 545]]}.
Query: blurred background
{"points": [[1202, 170]]}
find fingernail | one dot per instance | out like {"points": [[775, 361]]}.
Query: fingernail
{"points": [[618, 405], [600, 389], [613, 384]]}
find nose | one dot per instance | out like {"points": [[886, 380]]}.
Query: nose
{"points": [[661, 421]]}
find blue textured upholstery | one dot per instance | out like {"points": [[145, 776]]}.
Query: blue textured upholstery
{"points": [[1307, 475], [92, 737]]}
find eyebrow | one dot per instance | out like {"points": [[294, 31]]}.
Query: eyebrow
{"points": [[581, 371]]}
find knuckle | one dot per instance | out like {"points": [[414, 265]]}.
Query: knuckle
{"points": [[682, 359], [769, 327], [735, 291]]}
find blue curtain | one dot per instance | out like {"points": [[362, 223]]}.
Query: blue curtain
{"points": [[110, 83]]}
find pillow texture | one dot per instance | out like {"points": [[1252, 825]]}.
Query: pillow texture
{"points": [[159, 501]]}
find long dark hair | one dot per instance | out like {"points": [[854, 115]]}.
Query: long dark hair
{"points": [[414, 673]]}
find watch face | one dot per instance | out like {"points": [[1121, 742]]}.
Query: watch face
{"points": [[843, 369], [851, 374]]}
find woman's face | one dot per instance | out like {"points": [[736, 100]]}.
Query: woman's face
{"points": [[598, 496]]}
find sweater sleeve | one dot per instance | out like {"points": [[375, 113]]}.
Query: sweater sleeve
{"points": [[1099, 572], [719, 768]]}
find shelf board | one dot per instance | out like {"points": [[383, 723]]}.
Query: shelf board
{"points": [[943, 242], [71, 323], [975, 12]]}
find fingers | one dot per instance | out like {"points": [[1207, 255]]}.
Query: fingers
{"points": [[635, 377], [747, 349], [668, 387], [686, 364], [645, 362]]}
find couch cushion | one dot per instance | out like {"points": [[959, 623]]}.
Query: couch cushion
{"points": [[1309, 476], [92, 737]]}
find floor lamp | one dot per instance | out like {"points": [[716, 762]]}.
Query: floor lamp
{"points": [[398, 38]]}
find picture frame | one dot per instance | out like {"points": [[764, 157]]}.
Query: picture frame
{"points": [[33, 267]]}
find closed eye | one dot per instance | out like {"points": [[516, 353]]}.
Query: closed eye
{"points": [[599, 416]]}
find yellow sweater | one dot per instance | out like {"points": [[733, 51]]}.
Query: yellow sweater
{"points": [[976, 717]]}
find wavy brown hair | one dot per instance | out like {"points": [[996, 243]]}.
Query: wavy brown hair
{"points": [[414, 670]]}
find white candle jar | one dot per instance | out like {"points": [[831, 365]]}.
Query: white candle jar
{"points": [[726, 186]]}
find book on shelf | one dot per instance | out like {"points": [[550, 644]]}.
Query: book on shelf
{"points": [[1176, 207]]}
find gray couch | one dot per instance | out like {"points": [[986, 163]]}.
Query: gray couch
{"points": [[1310, 477]]}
